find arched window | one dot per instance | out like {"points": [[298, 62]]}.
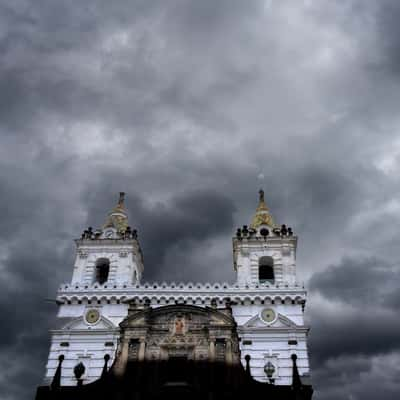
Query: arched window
{"points": [[266, 270], [102, 270]]}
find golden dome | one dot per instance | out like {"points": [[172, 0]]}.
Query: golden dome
{"points": [[262, 215], [118, 218]]}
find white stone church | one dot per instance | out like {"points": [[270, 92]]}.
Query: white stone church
{"points": [[266, 301]]}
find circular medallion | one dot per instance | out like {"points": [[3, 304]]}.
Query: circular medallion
{"points": [[109, 234], [268, 315], [92, 316]]}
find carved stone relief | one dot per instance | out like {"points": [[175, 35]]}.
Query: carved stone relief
{"points": [[179, 331]]}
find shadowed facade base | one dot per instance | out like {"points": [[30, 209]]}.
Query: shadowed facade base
{"points": [[178, 379], [177, 351]]}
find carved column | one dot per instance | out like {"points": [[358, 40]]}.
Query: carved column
{"points": [[211, 350], [142, 349], [228, 352], [122, 358]]}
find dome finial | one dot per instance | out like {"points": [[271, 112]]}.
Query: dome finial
{"points": [[261, 203], [121, 198], [262, 215], [261, 193]]}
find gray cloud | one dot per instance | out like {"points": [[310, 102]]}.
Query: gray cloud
{"points": [[359, 282], [187, 221], [358, 376], [364, 332], [182, 105], [359, 327]]}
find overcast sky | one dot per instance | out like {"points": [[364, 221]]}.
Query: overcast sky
{"points": [[189, 107]]}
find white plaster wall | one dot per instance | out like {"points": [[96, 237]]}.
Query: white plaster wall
{"points": [[125, 263], [88, 347], [115, 313], [269, 342], [89, 341], [264, 345]]}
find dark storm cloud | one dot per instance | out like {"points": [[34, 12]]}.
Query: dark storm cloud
{"points": [[36, 257], [365, 331], [55, 58], [26, 313], [359, 282], [32, 271], [360, 325], [181, 223], [181, 105], [390, 33], [189, 219], [358, 377]]}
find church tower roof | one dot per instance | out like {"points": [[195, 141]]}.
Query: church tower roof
{"points": [[262, 215], [118, 217]]}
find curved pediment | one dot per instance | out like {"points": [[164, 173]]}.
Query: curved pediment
{"points": [[167, 314]]}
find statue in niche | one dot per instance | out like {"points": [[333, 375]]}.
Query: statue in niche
{"points": [[179, 326]]}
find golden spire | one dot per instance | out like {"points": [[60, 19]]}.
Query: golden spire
{"points": [[262, 215], [118, 218], [120, 207]]}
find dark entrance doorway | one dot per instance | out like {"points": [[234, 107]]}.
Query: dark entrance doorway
{"points": [[177, 371]]}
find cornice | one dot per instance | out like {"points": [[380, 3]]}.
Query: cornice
{"points": [[93, 332], [83, 243], [183, 292], [270, 241], [271, 329]]}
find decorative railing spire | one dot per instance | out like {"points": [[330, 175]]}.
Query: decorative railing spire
{"points": [[56, 382], [296, 381], [104, 372]]}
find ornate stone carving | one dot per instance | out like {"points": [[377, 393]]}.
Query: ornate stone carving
{"points": [[180, 331]]}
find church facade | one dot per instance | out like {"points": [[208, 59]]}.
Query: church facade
{"points": [[110, 323]]}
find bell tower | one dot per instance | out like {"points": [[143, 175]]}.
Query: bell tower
{"points": [[264, 254], [110, 254], [271, 318]]}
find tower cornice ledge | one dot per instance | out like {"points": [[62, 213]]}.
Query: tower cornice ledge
{"points": [[183, 291], [89, 243]]}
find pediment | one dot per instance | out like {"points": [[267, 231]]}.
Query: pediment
{"points": [[280, 322], [168, 314], [137, 321], [80, 324]]}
